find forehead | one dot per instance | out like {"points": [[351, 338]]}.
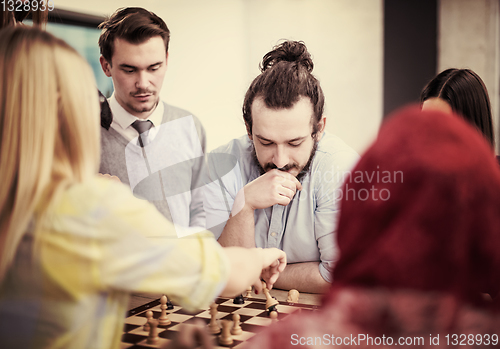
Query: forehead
{"points": [[438, 104], [282, 124], [140, 55]]}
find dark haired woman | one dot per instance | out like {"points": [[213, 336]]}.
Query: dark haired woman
{"points": [[463, 92]]}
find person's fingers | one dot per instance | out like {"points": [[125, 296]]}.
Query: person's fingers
{"points": [[108, 176], [297, 183], [289, 177], [257, 287], [271, 279], [275, 256], [284, 191]]}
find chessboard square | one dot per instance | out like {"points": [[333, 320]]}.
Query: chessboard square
{"points": [[192, 313], [131, 338], [179, 317], [125, 345], [286, 309], [159, 343], [156, 314], [227, 308], [261, 321], [204, 314], [249, 311], [243, 318], [170, 333], [256, 300], [140, 331], [256, 305], [172, 323], [130, 327], [244, 336], [220, 300], [241, 345], [194, 319], [134, 320], [251, 328]]}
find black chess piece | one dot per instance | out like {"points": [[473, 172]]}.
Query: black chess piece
{"points": [[272, 308], [239, 300], [170, 306]]}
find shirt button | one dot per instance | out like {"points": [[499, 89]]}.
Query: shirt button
{"points": [[273, 234]]}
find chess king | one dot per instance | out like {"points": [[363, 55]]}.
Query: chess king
{"points": [[284, 172]]}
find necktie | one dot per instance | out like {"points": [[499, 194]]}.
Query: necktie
{"points": [[142, 126]]}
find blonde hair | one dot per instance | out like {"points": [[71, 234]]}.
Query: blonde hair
{"points": [[49, 128]]}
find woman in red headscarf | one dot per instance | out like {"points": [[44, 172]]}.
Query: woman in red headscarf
{"points": [[419, 234]]}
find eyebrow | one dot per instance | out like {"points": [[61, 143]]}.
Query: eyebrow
{"points": [[288, 141], [134, 67]]}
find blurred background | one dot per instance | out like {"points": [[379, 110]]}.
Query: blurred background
{"points": [[371, 56]]}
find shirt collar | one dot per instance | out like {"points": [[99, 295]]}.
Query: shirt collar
{"points": [[125, 119]]}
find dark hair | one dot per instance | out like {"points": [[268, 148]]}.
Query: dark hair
{"points": [[286, 76], [132, 24], [467, 95]]}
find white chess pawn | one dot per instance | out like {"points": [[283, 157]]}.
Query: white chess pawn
{"points": [[149, 316], [249, 292], [153, 332], [236, 330], [213, 326], [293, 296], [274, 316], [163, 320], [225, 337]]}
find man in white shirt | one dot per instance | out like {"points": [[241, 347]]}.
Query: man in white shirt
{"points": [[154, 147]]}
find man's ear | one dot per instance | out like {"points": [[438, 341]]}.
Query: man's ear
{"points": [[106, 67], [321, 128], [322, 124]]}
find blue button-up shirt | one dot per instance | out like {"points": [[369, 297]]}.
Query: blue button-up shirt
{"points": [[305, 228]]}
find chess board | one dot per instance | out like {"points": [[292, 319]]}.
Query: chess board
{"points": [[253, 318]]}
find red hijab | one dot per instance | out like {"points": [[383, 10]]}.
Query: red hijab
{"points": [[432, 218]]}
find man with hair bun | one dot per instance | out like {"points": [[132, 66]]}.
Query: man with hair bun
{"points": [[275, 187]]}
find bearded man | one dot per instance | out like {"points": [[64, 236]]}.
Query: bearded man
{"points": [[276, 186]]}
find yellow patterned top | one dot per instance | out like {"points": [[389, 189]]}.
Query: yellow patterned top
{"points": [[99, 244]]}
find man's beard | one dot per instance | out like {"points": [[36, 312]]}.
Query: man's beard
{"points": [[270, 166]]}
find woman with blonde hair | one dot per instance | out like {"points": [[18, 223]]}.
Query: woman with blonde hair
{"points": [[72, 245]]}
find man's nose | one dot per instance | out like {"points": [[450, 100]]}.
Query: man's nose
{"points": [[142, 81], [280, 157]]}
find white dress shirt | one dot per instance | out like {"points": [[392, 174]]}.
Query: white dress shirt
{"points": [[123, 120]]}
